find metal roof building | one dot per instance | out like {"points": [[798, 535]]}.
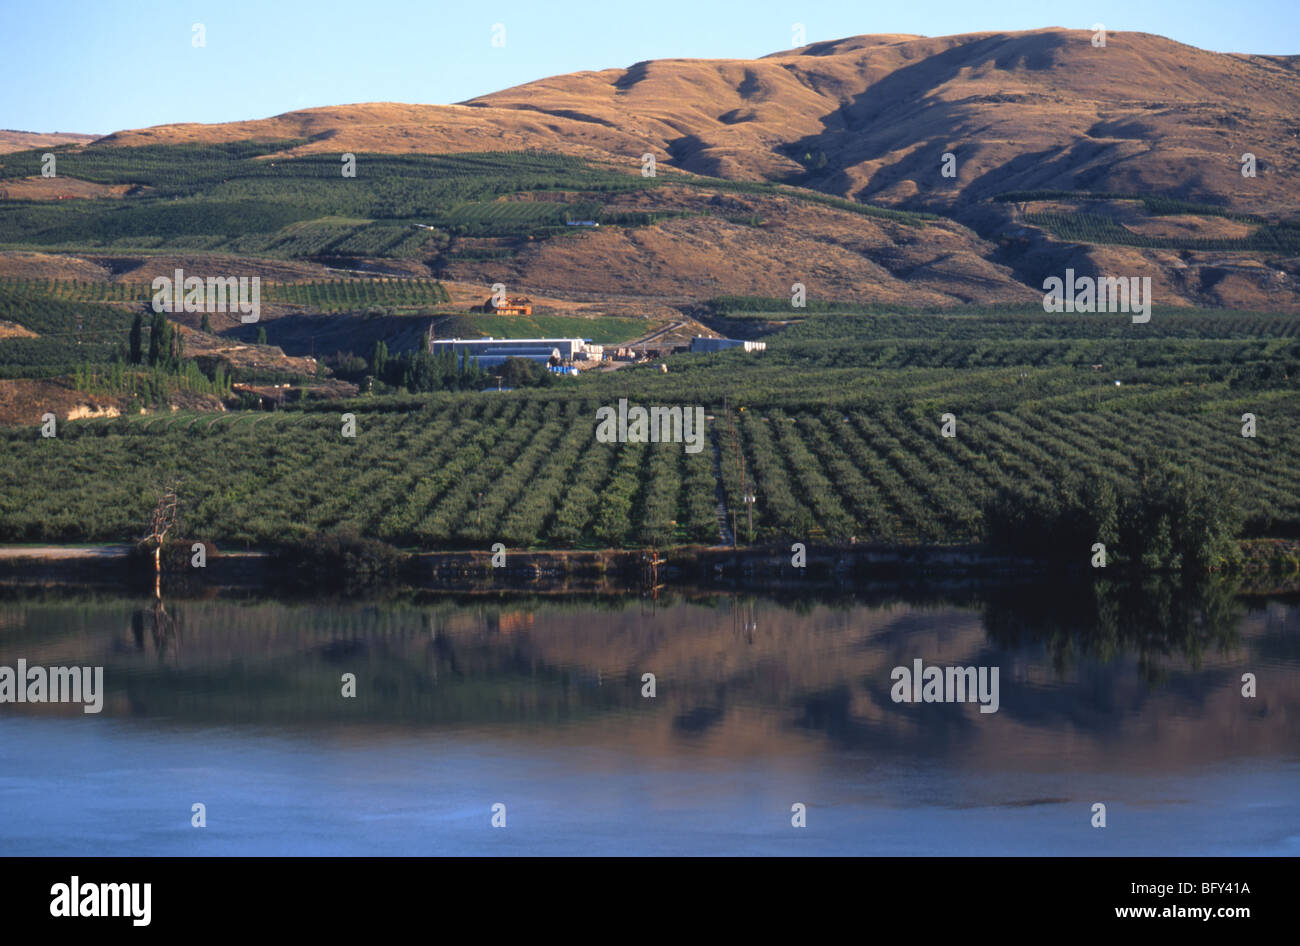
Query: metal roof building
{"points": [[491, 352], [700, 343]]}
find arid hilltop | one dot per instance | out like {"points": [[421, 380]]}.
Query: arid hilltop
{"points": [[1038, 151], [11, 140], [871, 117]]}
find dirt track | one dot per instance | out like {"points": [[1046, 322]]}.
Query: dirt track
{"points": [[53, 552]]}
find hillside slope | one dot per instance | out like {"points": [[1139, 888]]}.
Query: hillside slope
{"points": [[871, 116], [11, 140]]}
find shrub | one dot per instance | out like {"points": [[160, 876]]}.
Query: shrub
{"points": [[345, 561], [1171, 519]]}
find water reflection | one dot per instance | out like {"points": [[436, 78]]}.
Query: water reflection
{"points": [[1103, 620], [1107, 690], [734, 671]]}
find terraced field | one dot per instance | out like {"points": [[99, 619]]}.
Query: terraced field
{"points": [[468, 471], [835, 430], [465, 472]]}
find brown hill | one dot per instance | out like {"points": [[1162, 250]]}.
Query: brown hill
{"points": [[24, 140], [871, 116], [835, 254]]}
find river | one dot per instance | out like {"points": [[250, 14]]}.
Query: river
{"points": [[764, 713]]}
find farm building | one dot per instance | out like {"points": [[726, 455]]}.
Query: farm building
{"points": [[491, 352], [700, 343], [515, 305]]}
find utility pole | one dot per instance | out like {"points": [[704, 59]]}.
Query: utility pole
{"points": [[739, 459], [748, 495]]}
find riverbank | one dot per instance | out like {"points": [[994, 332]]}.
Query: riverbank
{"points": [[1268, 564]]}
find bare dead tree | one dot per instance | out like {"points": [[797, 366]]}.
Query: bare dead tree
{"points": [[164, 518], [166, 635]]}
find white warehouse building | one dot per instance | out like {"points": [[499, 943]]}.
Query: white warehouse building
{"points": [[701, 343], [491, 352]]}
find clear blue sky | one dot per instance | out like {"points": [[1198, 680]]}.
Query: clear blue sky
{"points": [[103, 65]]}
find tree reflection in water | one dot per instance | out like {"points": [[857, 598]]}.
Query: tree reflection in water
{"points": [[1156, 617]]}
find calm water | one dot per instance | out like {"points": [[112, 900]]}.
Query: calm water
{"points": [[1131, 698]]}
